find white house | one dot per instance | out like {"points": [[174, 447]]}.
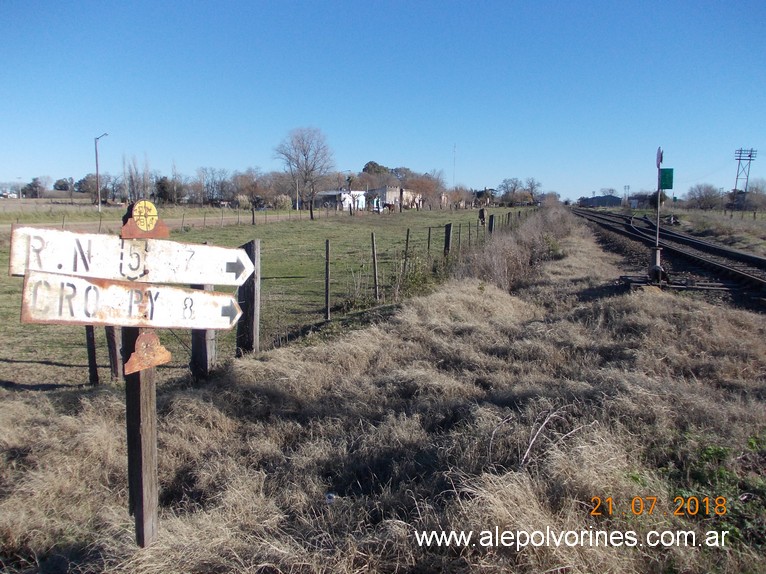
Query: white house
{"points": [[340, 199]]}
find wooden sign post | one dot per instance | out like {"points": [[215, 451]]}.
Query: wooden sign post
{"points": [[139, 364], [249, 299], [141, 426], [90, 279]]}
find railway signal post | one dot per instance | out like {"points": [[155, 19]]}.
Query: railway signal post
{"points": [[664, 181]]}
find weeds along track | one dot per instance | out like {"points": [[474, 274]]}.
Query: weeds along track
{"points": [[721, 261]]}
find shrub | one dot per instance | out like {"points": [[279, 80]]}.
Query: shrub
{"points": [[283, 202]]}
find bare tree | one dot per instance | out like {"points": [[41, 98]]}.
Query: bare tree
{"points": [[307, 158], [176, 185], [460, 196], [117, 189], [533, 187], [756, 194], [274, 184], [550, 198], [215, 184], [508, 189], [247, 187], [703, 196], [138, 183], [429, 186]]}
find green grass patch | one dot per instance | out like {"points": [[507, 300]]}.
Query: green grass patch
{"points": [[293, 272]]}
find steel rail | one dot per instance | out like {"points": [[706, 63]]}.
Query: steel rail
{"points": [[619, 224]]}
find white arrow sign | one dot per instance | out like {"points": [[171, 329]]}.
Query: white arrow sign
{"points": [[141, 260], [52, 298]]}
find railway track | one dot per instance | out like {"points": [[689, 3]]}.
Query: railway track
{"points": [[744, 268]]}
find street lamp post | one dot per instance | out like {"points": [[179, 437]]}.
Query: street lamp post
{"points": [[98, 183]]}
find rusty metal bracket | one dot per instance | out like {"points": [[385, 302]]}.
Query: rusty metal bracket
{"points": [[149, 353], [131, 230]]}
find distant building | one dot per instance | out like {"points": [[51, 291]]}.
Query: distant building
{"points": [[641, 200], [340, 199], [484, 197], [600, 201], [394, 195]]}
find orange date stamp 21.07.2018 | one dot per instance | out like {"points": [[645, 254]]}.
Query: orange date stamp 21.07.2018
{"points": [[647, 505]]}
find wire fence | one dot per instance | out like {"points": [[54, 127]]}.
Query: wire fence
{"points": [[294, 295], [403, 263]]}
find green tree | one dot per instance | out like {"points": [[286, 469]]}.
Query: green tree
{"points": [[64, 184], [404, 175], [164, 190], [33, 189], [374, 168], [87, 185]]}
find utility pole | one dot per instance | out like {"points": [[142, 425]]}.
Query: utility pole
{"points": [[659, 197], [454, 160], [655, 267], [98, 183]]}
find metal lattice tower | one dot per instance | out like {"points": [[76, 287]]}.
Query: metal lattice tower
{"points": [[743, 157]]}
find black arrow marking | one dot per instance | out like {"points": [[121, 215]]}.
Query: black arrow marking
{"points": [[229, 311], [237, 268]]}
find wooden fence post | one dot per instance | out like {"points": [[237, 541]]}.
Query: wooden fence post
{"points": [[375, 268], [90, 342], [447, 239], [249, 299], [491, 224], [203, 352], [428, 245], [114, 348], [141, 423], [406, 253], [327, 279]]}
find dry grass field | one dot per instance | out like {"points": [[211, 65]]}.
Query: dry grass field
{"points": [[739, 229], [508, 398]]}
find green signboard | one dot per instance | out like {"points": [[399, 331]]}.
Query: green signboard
{"points": [[666, 178]]}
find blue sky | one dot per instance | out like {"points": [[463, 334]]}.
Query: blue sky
{"points": [[577, 94]]}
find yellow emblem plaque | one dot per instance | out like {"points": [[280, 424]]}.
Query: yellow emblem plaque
{"points": [[145, 215]]}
